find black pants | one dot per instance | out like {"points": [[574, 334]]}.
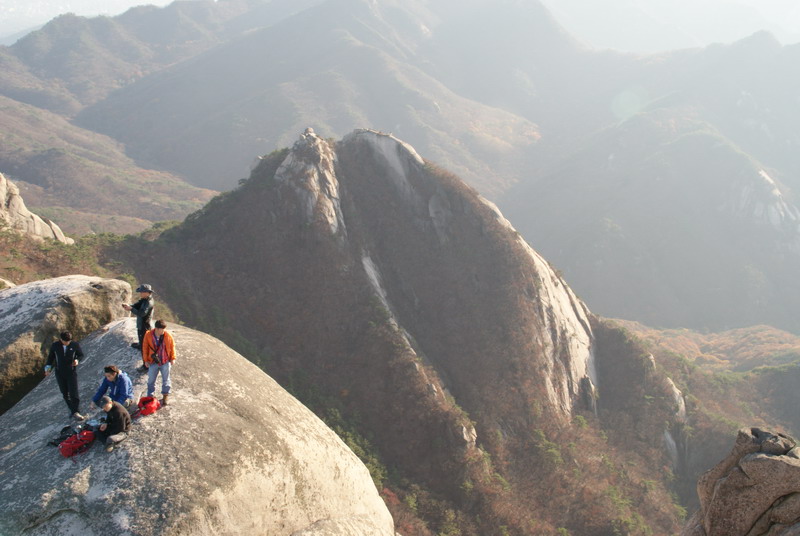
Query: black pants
{"points": [[103, 437], [141, 331], [68, 383]]}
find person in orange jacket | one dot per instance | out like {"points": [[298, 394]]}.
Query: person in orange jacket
{"points": [[158, 353]]}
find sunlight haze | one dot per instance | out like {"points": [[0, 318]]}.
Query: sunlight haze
{"points": [[657, 25]]}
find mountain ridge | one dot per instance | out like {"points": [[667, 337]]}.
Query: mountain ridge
{"points": [[458, 351]]}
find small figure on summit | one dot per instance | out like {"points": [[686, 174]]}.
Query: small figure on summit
{"points": [[158, 354], [143, 309], [65, 355], [118, 386]]}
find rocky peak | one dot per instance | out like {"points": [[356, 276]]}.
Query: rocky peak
{"points": [[14, 213], [309, 172]]}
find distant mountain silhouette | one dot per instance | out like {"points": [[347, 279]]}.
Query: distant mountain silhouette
{"points": [[337, 66]]}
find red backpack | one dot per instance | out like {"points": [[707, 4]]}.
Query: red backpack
{"points": [[148, 405], [76, 443]]}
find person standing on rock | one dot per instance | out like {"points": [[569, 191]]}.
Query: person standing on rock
{"points": [[117, 385], [117, 425], [158, 352], [65, 355], [143, 309]]}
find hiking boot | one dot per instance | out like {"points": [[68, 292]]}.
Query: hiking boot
{"points": [[78, 417], [164, 400], [136, 345], [110, 447]]}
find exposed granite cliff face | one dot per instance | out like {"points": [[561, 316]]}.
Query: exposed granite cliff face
{"points": [[32, 316], [15, 214], [559, 321], [754, 491], [232, 454]]}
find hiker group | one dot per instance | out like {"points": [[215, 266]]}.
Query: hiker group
{"points": [[115, 393]]}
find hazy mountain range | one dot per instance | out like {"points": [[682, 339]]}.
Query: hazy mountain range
{"points": [[499, 93]]}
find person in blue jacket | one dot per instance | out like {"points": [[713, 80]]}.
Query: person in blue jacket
{"points": [[118, 386]]}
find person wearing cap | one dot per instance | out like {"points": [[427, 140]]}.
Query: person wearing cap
{"points": [[65, 355], [117, 425], [143, 309], [159, 354], [117, 385]]}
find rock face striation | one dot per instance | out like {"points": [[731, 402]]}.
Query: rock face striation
{"points": [[32, 316], [16, 215], [754, 491], [232, 454]]}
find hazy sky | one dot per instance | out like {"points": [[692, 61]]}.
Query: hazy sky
{"points": [[20, 15], [654, 25], [632, 25]]}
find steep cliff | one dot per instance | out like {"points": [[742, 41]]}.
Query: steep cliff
{"points": [[381, 288], [35, 313], [232, 454]]}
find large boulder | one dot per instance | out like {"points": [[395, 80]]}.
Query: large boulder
{"points": [[15, 214], [232, 454], [32, 315], [754, 491]]}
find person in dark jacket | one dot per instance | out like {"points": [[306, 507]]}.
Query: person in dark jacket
{"points": [[65, 355], [117, 425], [117, 385], [143, 310]]}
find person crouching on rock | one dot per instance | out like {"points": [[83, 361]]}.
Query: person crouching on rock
{"points": [[117, 425], [64, 357], [159, 352], [118, 386]]}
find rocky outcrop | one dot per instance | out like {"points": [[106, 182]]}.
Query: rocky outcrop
{"points": [[309, 171], [233, 453], [760, 199], [5, 283], [32, 316], [754, 491], [16, 215]]}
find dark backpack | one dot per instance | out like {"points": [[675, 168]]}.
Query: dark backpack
{"points": [[62, 435]]}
